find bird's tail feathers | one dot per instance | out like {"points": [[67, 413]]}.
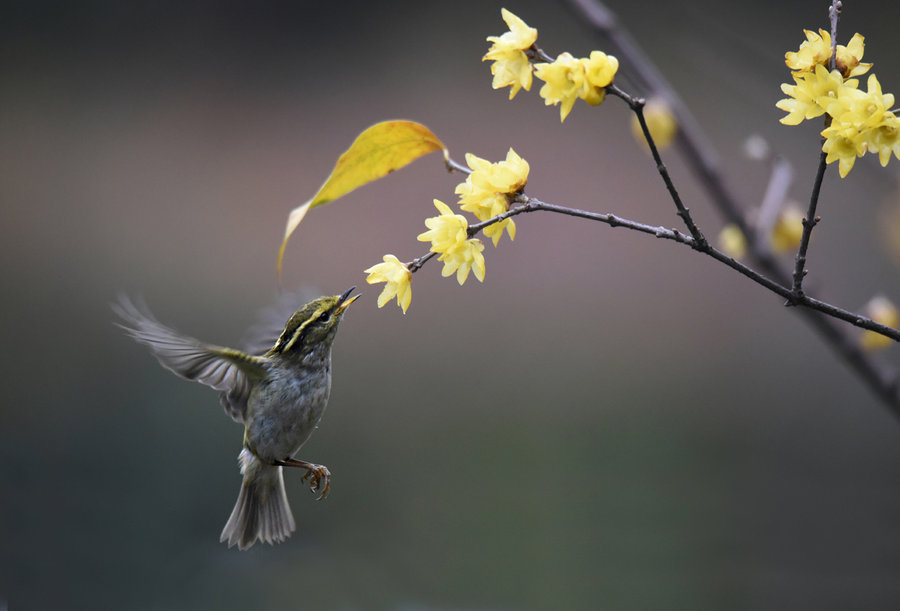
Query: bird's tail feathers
{"points": [[262, 511]]}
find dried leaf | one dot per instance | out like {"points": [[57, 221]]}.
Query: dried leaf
{"points": [[376, 152]]}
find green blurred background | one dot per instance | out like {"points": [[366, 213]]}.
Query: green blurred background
{"points": [[609, 421]]}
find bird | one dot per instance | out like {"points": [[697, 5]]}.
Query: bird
{"points": [[278, 394]]}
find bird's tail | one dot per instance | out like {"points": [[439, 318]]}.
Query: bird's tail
{"points": [[262, 511]]}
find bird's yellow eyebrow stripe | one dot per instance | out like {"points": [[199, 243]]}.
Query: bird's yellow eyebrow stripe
{"points": [[299, 331]]}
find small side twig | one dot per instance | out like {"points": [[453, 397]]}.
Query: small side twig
{"points": [[637, 106], [417, 263]]}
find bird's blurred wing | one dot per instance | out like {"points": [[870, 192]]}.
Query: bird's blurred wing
{"points": [[224, 369], [270, 321]]}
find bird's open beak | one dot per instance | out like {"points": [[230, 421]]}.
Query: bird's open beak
{"points": [[346, 300]]}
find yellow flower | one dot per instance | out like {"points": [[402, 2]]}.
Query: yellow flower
{"points": [[462, 258], [814, 51], [567, 78], [564, 81], [863, 110], [511, 65], [486, 205], [661, 122], [844, 144], [449, 236], [847, 57], [486, 191], [884, 138], [483, 203], [600, 68], [495, 231], [788, 230], [881, 310], [507, 176], [445, 231], [812, 94], [732, 241], [397, 278]]}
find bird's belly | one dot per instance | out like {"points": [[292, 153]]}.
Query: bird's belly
{"points": [[282, 417]]}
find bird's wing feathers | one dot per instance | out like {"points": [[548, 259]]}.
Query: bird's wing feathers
{"points": [[224, 369]]}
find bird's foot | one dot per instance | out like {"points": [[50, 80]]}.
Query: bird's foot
{"points": [[319, 479], [318, 476]]}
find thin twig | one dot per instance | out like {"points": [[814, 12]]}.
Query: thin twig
{"points": [[637, 106], [811, 219], [834, 15], [416, 264], [537, 53]]}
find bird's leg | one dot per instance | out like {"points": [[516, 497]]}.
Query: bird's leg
{"points": [[318, 475]]}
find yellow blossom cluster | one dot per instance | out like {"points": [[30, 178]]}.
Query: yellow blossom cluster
{"points": [[511, 65], [449, 236], [858, 122], [485, 193], [566, 78]]}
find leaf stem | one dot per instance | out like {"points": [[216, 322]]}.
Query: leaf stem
{"points": [[454, 166]]}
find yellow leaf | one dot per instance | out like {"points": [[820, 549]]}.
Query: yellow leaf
{"points": [[376, 152]]}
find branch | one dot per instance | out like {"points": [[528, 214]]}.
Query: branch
{"points": [[811, 220], [703, 160], [532, 204]]}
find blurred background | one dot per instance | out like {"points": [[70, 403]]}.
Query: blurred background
{"points": [[609, 421]]}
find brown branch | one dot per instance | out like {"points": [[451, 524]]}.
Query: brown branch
{"points": [[528, 204], [702, 159]]}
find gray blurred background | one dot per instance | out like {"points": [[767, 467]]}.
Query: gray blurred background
{"points": [[609, 421]]}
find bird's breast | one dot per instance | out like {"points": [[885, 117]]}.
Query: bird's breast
{"points": [[284, 411]]}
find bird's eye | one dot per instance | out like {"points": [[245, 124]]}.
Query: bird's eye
{"points": [[324, 316]]}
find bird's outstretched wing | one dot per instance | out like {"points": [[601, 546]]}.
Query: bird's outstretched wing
{"points": [[224, 369]]}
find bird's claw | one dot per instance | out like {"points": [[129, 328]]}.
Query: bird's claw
{"points": [[319, 480]]}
